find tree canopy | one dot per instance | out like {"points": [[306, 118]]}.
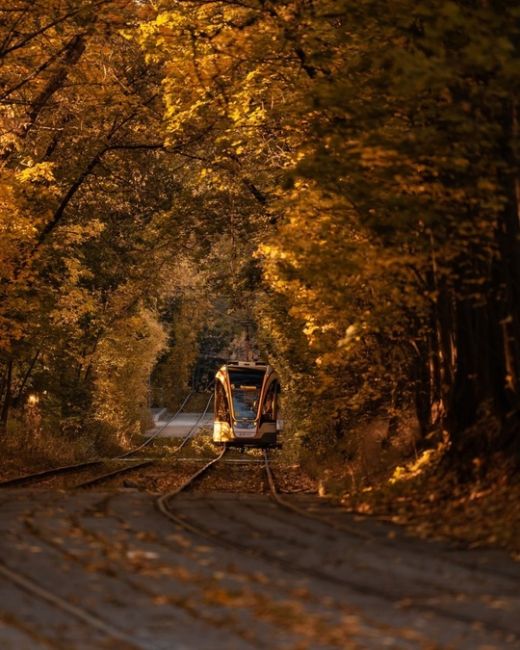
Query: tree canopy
{"points": [[342, 176]]}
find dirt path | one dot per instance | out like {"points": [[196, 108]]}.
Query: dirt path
{"points": [[252, 576]]}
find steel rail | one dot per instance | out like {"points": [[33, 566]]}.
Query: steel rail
{"points": [[289, 565], [275, 496], [163, 500], [384, 542], [115, 472], [226, 461], [92, 620], [351, 530], [129, 468], [65, 469], [55, 471]]}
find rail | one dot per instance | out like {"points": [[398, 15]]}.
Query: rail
{"points": [[164, 500], [96, 480], [39, 591], [76, 467], [283, 503]]}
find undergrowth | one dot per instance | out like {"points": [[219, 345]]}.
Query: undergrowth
{"points": [[429, 498], [33, 445], [417, 488]]}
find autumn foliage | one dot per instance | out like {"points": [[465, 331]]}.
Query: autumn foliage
{"points": [[343, 173]]}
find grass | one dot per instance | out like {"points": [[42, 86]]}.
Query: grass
{"points": [[26, 450]]}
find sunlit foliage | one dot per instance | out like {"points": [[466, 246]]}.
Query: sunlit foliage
{"points": [[85, 216], [382, 140], [346, 171]]}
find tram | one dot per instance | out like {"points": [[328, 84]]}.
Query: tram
{"points": [[247, 405]]}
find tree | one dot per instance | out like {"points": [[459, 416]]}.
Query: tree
{"points": [[383, 139], [86, 218]]}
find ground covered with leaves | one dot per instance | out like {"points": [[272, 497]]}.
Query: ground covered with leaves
{"points": [[432, 502], [238, 473], [420, 492]]}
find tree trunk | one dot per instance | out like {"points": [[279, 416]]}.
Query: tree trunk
{"points": [[508, 282], [4, 414], [25, 378]]}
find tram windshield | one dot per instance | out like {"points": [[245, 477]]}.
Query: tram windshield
{"points": [[246, 386]]}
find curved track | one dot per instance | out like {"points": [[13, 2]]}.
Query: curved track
{"points": [[96, 480], [163, 502], [351, 530], [36, 477]]}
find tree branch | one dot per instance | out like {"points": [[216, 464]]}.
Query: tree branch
{"points": [[4, 52], [35, 73]]}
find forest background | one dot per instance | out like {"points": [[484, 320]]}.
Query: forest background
{"points": [[338, 178]]}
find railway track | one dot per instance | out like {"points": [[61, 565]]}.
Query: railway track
{"points": [[303, 512], [364, 536], [107, 474], [165, 504], [35, 477], [87, 618]]}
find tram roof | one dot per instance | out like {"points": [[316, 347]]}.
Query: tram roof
{"points": [[246, 365]]}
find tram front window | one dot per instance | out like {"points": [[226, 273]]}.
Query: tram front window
{"points": [[246, 386], [245, 402]]}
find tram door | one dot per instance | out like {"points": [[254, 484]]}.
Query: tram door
{"points": [[270, 402], [270, 407], [222, 424]]}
